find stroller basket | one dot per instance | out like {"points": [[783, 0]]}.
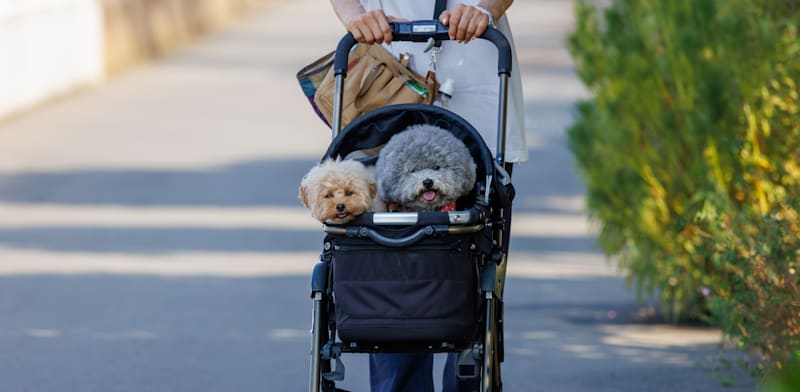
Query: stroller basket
{"points": [[396, 283]]}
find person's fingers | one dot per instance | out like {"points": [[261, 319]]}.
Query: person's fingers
{"points": [[463, 24], [358, 28], [396, 19], [370, 27], [385, 29], [353, 29], [455, 15], [378, 26], [366, 31], [388, 32], [477, 26], [444, 17]]}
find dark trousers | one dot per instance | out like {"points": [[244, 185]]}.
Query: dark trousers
{"points": [[410, 373]]}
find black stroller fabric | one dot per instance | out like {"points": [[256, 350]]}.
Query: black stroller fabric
{"points": [[426, 292]]}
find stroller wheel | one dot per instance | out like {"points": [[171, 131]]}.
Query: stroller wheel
{"points": [[490, 377], [319, 333]]}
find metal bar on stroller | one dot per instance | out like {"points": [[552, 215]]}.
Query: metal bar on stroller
{"points": [[412, 218], [421, 31], [468, 217]]}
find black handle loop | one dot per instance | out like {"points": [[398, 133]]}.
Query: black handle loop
{"points": [[365, 232]]}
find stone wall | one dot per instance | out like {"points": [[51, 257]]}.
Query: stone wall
{"points": [[137, 30], [51, 47], [47, 47]]}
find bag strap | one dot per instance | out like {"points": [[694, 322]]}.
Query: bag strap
{"points": [[370, 78], [439, 8]]}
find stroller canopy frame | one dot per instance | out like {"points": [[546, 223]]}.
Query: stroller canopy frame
{"points": [[376, 127]]}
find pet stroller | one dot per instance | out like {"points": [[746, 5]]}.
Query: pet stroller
{"points": [[416, 281]]}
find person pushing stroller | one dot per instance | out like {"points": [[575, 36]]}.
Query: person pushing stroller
{"points": [[470, 63]]}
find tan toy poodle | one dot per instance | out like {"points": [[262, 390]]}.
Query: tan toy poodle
{"points": [[337, 191]]}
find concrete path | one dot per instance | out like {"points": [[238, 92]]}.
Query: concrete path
{"points": [[151, 239]]}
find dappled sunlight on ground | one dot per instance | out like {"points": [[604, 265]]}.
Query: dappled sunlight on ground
{"points": [[559, 265], [22, 215], [35, 262], [659, 336], [635, 343]]}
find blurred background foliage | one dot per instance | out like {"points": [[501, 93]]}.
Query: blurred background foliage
{"points": [[786, 379], [690, 150]]}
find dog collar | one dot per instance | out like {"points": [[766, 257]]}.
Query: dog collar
{"points": [[451, 206]]}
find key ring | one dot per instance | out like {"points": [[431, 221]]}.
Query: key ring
{"points": [[431, 47], [434, 50]]}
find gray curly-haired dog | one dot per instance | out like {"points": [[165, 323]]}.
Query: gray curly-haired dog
{"points": [[424, 168]]}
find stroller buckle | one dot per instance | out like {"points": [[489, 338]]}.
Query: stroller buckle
{"points": [[468, 363]]}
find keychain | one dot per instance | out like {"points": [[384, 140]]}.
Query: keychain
{"points": [[430, 77]]}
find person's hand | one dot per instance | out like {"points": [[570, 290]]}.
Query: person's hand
{"points": [[466, 22], [372, 27]]}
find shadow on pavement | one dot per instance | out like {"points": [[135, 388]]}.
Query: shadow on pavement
{"points": [[243, 184], [135, 333], [252, 334], [250, 183], [559, 325], [233, 240]]}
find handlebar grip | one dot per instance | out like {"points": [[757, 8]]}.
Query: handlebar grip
{"points": [[421, 31], [342, 52]]}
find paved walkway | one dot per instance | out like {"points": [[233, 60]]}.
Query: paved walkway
{"points": [[151, 240]]}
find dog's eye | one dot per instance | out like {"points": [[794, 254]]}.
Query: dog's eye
{"points": [[348, 193], [329, 195], [436, 167]]}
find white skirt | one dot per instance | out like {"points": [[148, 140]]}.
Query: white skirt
{"points": [[473, 69]]}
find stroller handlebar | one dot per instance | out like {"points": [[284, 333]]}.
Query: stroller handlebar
{"points": [[421, 31]]}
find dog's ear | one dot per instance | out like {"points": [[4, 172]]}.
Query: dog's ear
{"points": [[302, 194], [373, 189]]}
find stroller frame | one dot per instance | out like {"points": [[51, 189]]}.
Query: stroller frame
{"points": [[484, 227]]}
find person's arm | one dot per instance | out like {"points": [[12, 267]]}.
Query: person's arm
{"points": [[468, 22], [368, 27]]}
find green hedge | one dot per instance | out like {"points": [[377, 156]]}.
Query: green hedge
{"points": [[690, 150]]}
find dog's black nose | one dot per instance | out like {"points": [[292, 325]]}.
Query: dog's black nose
{"points": [[428, 183], [340, 207]]}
